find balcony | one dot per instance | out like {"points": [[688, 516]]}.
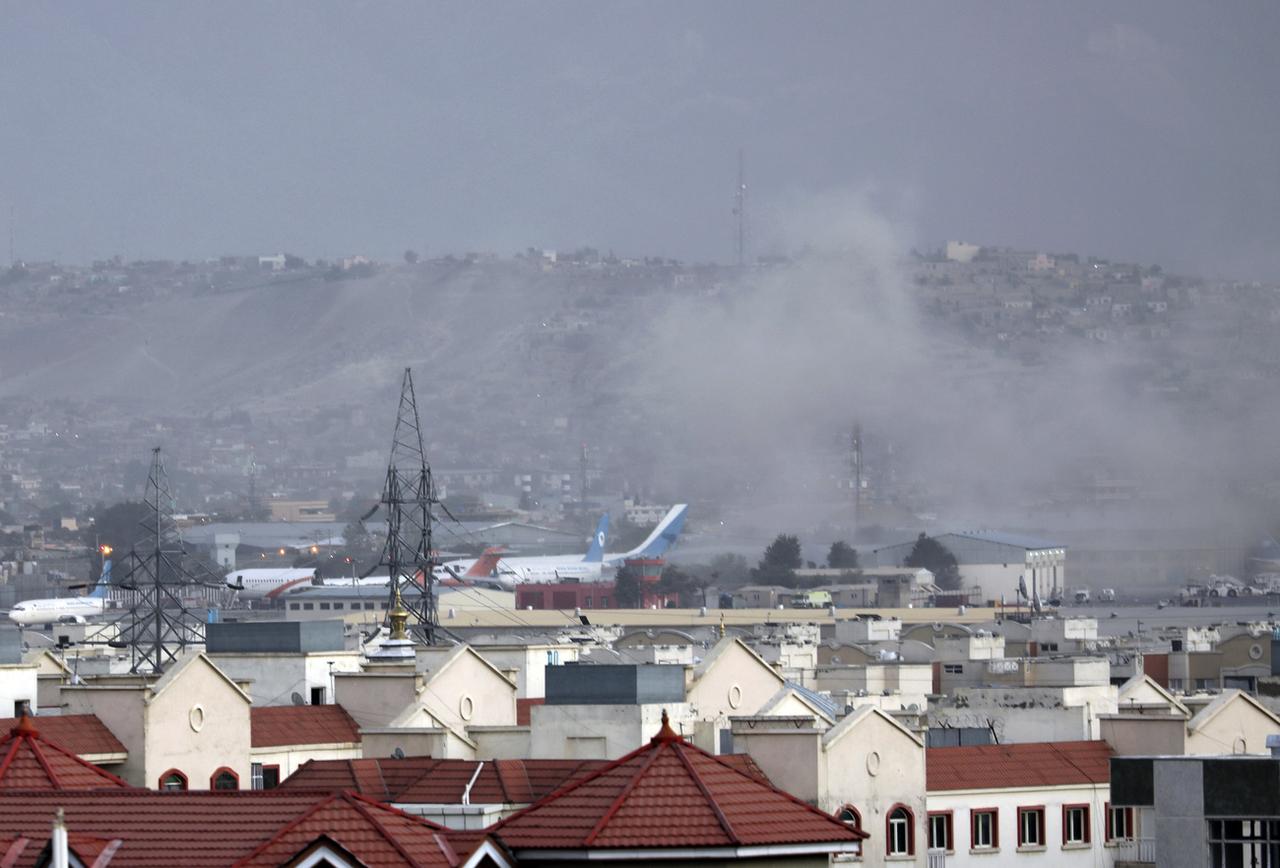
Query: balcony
{"points": [[1135, 853]]}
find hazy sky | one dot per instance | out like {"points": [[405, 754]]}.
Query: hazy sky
{"points": [[1142, 129]]}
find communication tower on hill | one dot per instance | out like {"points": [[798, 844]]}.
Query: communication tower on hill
{"points": [[408, 496]]}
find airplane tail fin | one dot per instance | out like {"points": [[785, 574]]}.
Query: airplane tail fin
{"points": [[596, 552], [100, 589], [664, 535], [486, 565]]}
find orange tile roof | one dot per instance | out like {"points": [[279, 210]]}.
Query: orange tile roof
{"points": [[29, 761], [670, 794], [283, 725], [217, 829], [1035, 764], [82, 734]]}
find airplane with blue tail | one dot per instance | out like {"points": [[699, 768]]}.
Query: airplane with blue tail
{"points": [[63, 610]]}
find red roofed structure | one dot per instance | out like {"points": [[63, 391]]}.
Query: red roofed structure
{"points": [[83, 734], [29, 761], [285, 725], [162, 829], [667, 797], [1006, 766]]}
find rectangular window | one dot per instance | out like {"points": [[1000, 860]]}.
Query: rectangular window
{"points": [[270, 777], [953, 668], [984, 829], [1119, 824], [324, 605], [295, 606], [307, 607], [256, 775], [1031, 827], [1075, 824], [940, 832], [317, 696], [368, 605], [337, 605]]}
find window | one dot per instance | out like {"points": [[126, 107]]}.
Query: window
{"points": [[173, 780], [255, 775], [307, 607], [224, 779], [1243, 842], [1031, 827], [324, 606], [1075, 824], [270, 777], [368, 605], [953, 668], [1119, 824], [337, 605], [295, 606], [850, 817], [900, 832], [21, 707], [940, 837], [553, 658], [984, 829]]}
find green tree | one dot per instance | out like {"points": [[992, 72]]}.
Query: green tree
{"points": [[842, 556], [729, 570], [933, 556], [626, 588], [781, 559]]}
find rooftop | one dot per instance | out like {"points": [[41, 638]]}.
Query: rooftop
{"points": [[670, 794], [281, 725], [82, 734], [1004, 766], [29, 761]]}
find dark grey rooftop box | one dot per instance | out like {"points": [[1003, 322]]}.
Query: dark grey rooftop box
{"points": [[10, 645], [614, 684], [280, 637]]}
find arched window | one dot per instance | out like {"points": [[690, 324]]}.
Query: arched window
{"points": [[900, 832], [224, 779], [173, 780], [850, 817]]}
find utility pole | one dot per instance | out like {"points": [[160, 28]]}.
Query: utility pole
{"points": [[740, 211], [855, 465], [582, 478]]}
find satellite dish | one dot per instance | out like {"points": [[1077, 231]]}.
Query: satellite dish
{"points": [[297, 699], [398, 753]]}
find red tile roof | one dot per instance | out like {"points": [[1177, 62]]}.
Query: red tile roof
{"points": [[29, 761], [1000, 766], [670, 794], [215, 829], [82, 734], [283, 725], [424, 780]]}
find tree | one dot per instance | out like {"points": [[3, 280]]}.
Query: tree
{"points": [[933, 556], [411, 257], [842, 556], [626, 587], [729, 569], [781, 559]]}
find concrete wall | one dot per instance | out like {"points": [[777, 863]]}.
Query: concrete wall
{"points": [[1007, 802], [1239, 728], [375, 698], [501, 742], [121, 710], [1138, 735], [276, 677], [529, 662], [18, 684], [176, 737], [600, 731], [469, 692]]}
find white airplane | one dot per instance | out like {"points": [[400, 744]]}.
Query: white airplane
{"points": [[594, 566], [269, 584], [64, 609]]}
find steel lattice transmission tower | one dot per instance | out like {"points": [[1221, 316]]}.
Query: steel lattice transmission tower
{"points": [[408, 496], [158, 626]]}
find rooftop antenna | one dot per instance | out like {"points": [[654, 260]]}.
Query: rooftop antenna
{"points": [[855, 465], [408, 496], [740, 211], [158, 626]]}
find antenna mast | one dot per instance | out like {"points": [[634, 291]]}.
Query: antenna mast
{"points": [[855, 464], [408, 496], [740, 211]]}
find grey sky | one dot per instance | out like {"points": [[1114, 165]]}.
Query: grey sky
{"points": [[1148, 130]]}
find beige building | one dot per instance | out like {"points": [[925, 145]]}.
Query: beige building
{"points": [[868, 769], [188, 729], [1150, 720]]}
